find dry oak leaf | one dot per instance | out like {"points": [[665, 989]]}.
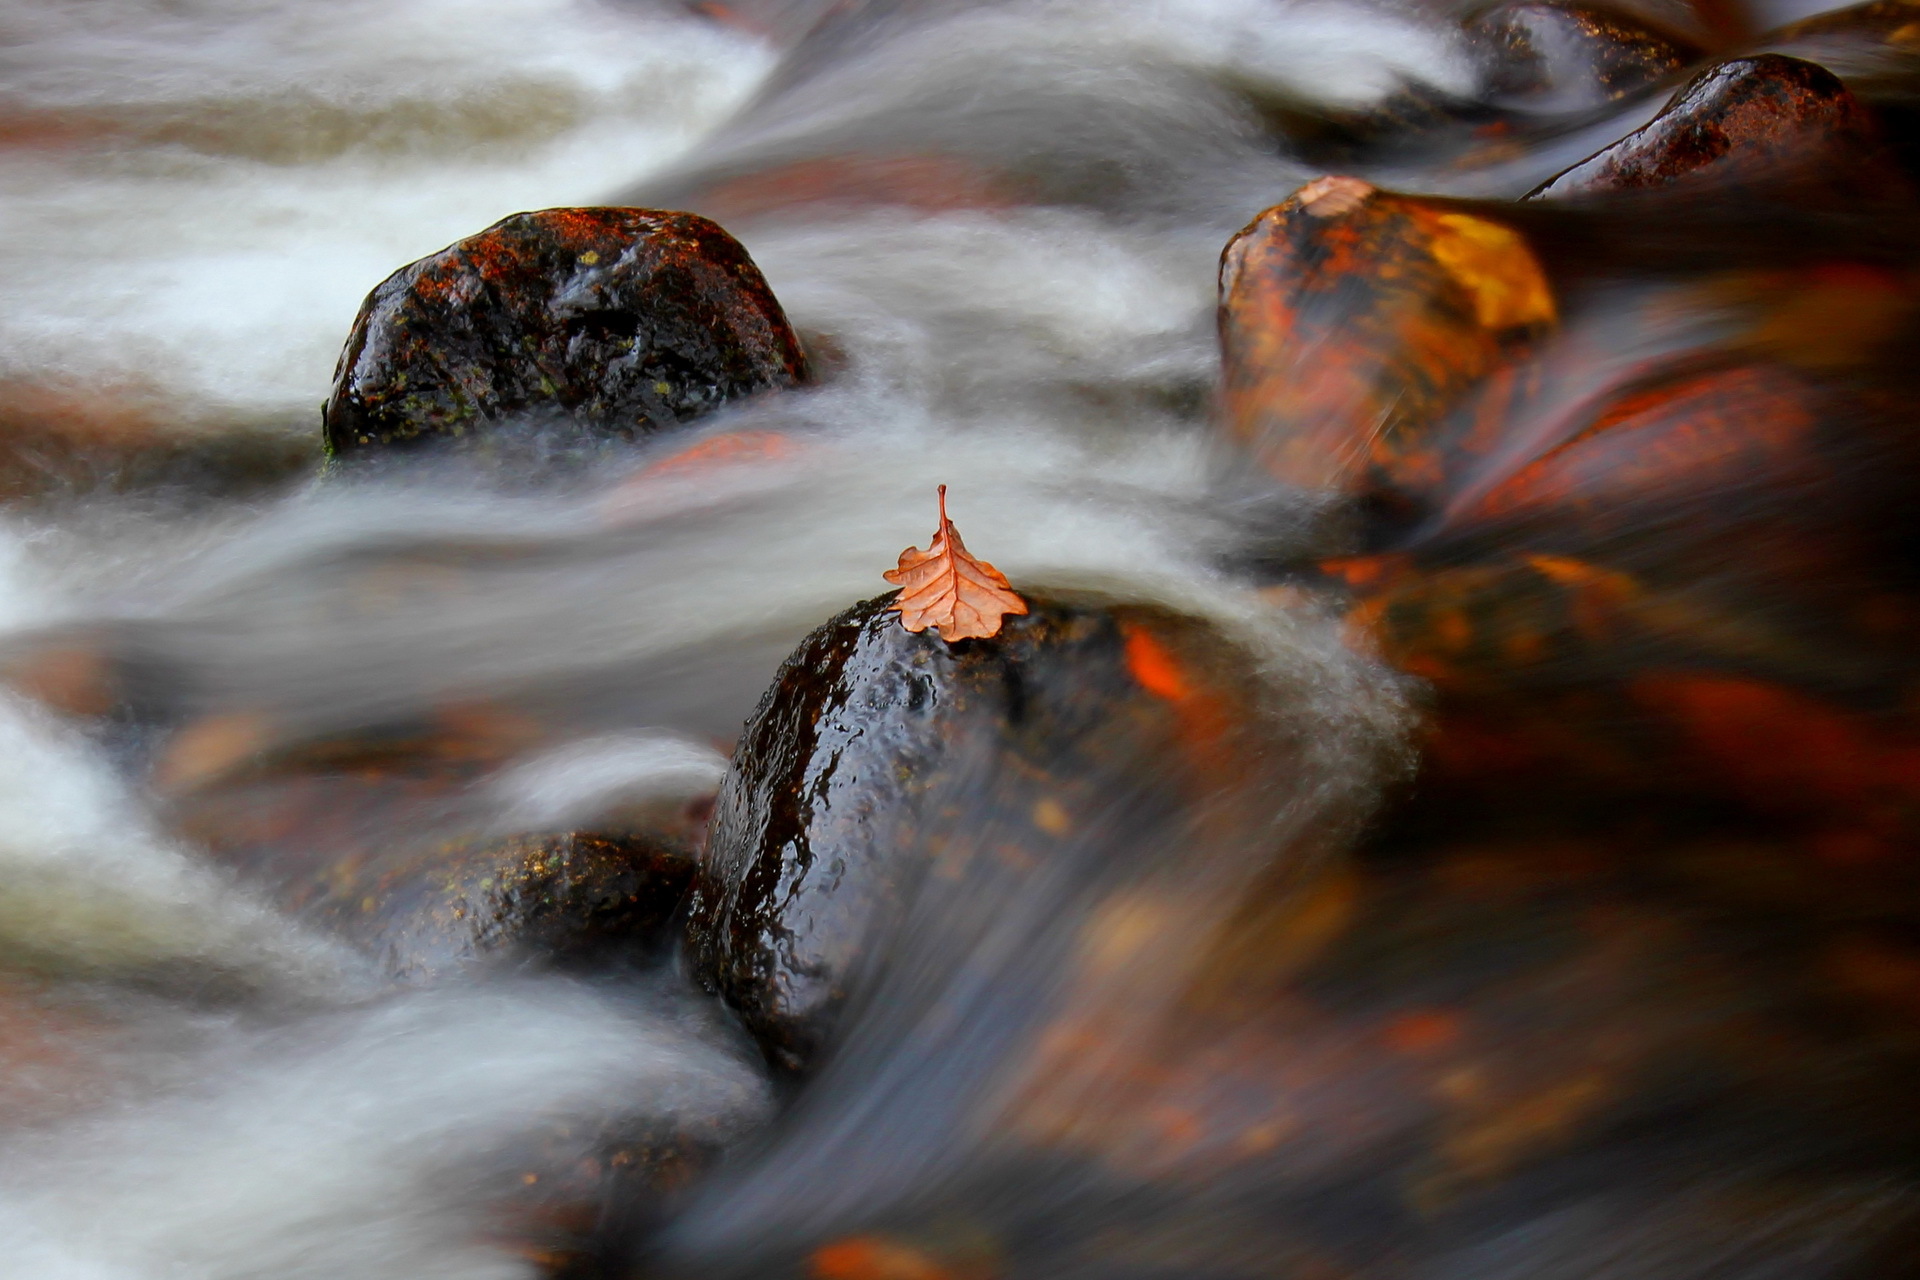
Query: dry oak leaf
{"points": [[945, 588]]}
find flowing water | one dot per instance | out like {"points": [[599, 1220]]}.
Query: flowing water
{"points": [[195, 195]]}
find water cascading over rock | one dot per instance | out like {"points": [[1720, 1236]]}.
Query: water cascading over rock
{"points": [[881, 761]]}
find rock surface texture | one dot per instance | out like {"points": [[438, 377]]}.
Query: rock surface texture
{"points": [[1351, 319], [426, 911], [880, 757], [541, 897], [1740, 121], [621, 321]]}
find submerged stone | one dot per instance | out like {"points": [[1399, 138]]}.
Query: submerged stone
{"points": [[426, 909], [369, 841], [1870, 44], [881, 757], [1541, 56], [624, 322], [1743, 120], [551, 898]]}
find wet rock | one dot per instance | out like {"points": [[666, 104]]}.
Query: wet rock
{"points": [[1741, 121], [623, 322], [1685, 1051], [1711, 434], [564, 898], [882, 757], [1352, 319], [1546, 57], [381, 841]]}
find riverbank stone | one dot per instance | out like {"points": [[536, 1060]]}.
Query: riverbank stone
{"points": [[620, 322]]}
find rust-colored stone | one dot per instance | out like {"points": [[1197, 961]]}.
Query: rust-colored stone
{"points": [[1352, 319], [1712, 434], [623, 322], [1741, 121]]}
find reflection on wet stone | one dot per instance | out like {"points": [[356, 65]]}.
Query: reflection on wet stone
{"points": [[879, 756], [624, 322], [1352, 319], [1742, 121]]}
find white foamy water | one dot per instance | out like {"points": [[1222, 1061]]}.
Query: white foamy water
{"points": [[89, 887], [376, 1143]]}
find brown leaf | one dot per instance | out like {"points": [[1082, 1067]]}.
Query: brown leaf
{"points": [[945, 588]]}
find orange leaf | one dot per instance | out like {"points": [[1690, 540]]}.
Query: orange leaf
{"points": [[945, 588]]}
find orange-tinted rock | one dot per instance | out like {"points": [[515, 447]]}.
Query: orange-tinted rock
{"points": [[1712, 435], [1558, 675], [1352, 320], [1784, 751], [74, 677], [1741, 121], [877, 1257], [1545, 56], [622, 322], [1537, 1050]]}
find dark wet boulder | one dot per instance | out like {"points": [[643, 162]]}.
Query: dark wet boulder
{"points": [[564, 898], [1353, 319], [376, 839], [1541, 56], [623, 322], [1742, 121], [881, 757]]}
